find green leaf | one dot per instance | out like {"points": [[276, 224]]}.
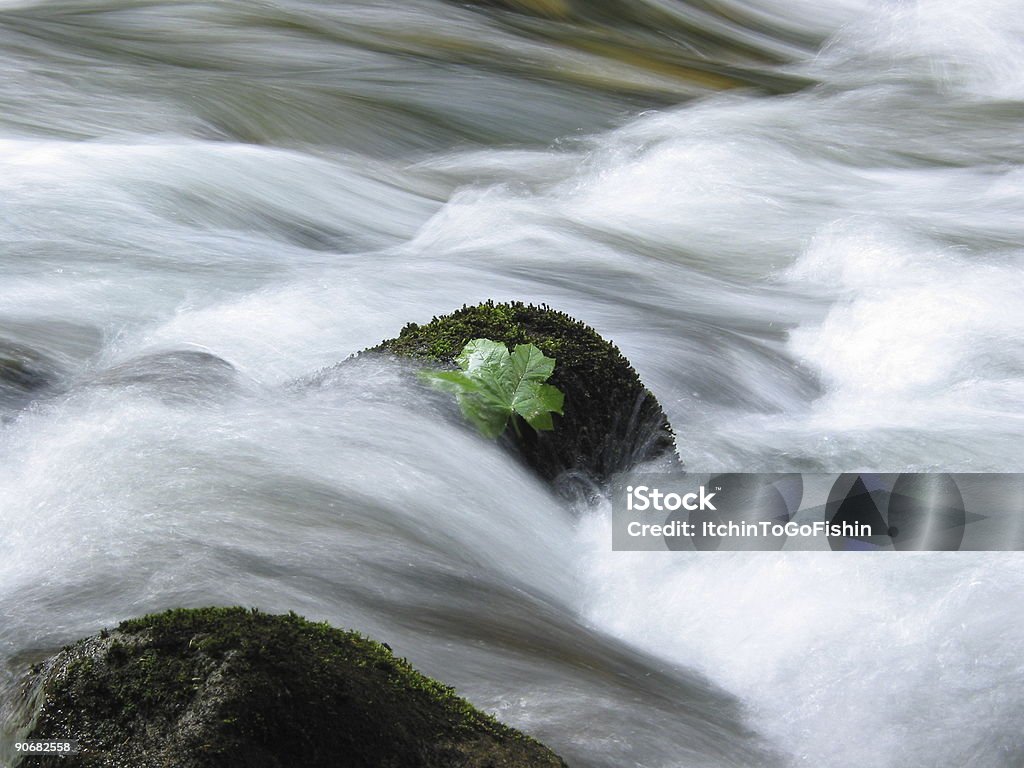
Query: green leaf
{"points": [[495, 386], [536, 402]]}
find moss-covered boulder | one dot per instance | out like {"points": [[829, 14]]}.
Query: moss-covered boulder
{"points": [[611, 421], [226, 687]]}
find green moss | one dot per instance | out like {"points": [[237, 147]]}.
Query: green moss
{"points": [[611, 420], [232, 687]]}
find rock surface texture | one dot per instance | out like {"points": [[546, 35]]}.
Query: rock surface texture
{"points": [[226, 687]]}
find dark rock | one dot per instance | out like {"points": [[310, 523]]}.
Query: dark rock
{"points": [[227, 687], [611, 420], [25, 374], [177, 375]]}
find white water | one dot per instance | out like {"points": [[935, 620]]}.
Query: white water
{"points": [[823, 280]]}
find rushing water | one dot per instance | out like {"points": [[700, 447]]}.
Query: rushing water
{"points": [[802, 222]]}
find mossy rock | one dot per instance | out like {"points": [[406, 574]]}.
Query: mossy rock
{"points": [[227, 687], [611, 421]]}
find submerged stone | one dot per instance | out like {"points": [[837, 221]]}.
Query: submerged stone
{"points": [[226, 687], [25, 374], [611, 421], [177, 375]]}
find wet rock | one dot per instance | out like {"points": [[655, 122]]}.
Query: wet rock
{"points": [[25, 374], [225, 687], [176, 375], [611, 421]]}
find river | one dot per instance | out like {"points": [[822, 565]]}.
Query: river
{"points": [[801, 222]]}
